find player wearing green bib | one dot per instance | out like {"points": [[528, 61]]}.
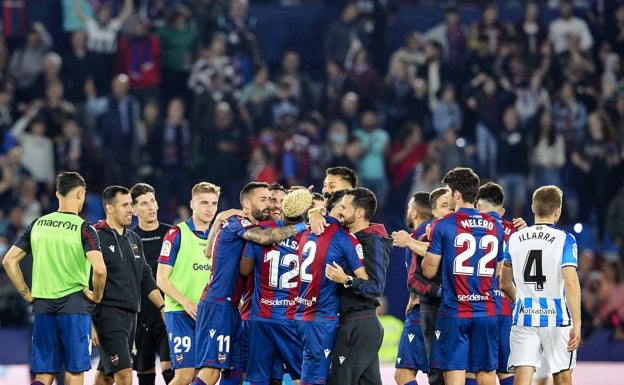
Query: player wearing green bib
{"points": [[183, 271], [64, 248]]}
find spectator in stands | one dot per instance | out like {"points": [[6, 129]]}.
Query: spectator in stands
{"points": [[117, 114], [76, 67], [570, 116], [76, 151], [616, 112], [241, 41], [226, 147], [530, 30], [411, 53], [596, 159], [446, 112], [531, 98], [373, 144], [397, 92], [140, 56], [102, 40], [256, 96], [301, 84], [419, 110], [171, 144], [56, 109], [302, 153], [212, 62], [344, 34], [616, 36], [38, 156], [365, 80], [512, 162], [282, 104], [490, 27], [338, 151], [434, 72], [451, 36], [207, 14], [27, 62], [335, 86], [548, 152], [51, 73], [6, 115], [566, 24], [614, 222], [479, 62], [178, 39]]}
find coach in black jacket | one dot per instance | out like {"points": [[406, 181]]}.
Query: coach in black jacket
{"points": [[356, 355], [129, 275]]}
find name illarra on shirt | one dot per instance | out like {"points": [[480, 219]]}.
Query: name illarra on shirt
{"points": [[537, 235]]}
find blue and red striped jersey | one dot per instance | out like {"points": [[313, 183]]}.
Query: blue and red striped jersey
{"points": [[318, 298], [226, 254], [469, 243], [503, 304], [275, 277]]}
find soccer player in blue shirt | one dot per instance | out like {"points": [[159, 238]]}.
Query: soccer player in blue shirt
{"points": [[318, 299], [275, 268], [218, 320], [464, 246]]}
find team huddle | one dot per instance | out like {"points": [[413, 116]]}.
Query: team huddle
{"points": [[290, 283]]}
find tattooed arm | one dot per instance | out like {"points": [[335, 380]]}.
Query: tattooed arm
{"points": [[273, 235]]}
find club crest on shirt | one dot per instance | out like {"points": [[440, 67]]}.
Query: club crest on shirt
{"points": [[135, 248], [179, 358], [114, 359], [166, 249], [221, 357], [245, 222], [359, 251]]}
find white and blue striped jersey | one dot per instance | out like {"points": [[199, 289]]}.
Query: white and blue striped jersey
{"points": [[538, 254]]}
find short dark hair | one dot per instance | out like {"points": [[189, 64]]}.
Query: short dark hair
{"points": [[345, 173], [110, 193], [249, 188], [422, 205], [334, 198], [317, 196], [277, 187], [492, 193], [139, 189], [67, 181], [434, 195], [364, 198], [464, 180]]}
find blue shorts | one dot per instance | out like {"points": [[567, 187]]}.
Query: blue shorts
{"points": [[217, 336], [244, 343], [318, 339], [412, 354], [181, 336], [504, 331], [61, 342], [469, 344], [270, 345]]}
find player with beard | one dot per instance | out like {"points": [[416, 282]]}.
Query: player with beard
{"points": [[356, 354], [151, 335], [218, 320], [278, 192], [273, 336], [129, 275]]}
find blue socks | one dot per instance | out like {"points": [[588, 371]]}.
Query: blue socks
{"points": [[198, 381], [471, 381]]}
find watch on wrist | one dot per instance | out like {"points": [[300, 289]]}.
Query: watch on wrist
{"points": [[349, 282]]}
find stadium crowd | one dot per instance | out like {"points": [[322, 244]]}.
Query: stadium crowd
{"points": [[174, 92]]}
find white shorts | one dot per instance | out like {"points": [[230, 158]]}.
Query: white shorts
{"points": [[542, 370], [534, 346]]}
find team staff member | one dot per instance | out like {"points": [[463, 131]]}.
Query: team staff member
{"points": [[356, 354], [151, 335], [59, 242], [183, 271], [129, 276]]}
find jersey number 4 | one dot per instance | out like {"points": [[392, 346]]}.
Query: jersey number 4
{"points": [[533, 272], [470, 243]]}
